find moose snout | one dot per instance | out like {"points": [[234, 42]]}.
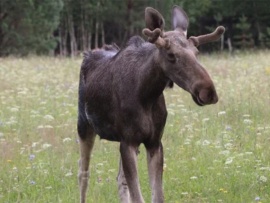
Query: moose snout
{"points": [[204, 94]]}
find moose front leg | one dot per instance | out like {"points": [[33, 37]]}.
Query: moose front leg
{"points": [[155, 170], [129, 164]]}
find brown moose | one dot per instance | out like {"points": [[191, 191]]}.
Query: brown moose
{"points": [[121, 97]]}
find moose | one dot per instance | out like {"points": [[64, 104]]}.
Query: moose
{"points": [[121, 97]]}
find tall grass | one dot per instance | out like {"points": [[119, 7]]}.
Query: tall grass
{"points": [[217, 153]]}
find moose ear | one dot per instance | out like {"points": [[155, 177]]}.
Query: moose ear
{"points": [[179, 19], [153, 19]]}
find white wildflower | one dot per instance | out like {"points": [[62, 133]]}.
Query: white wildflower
{"points": [[22, 150], [14, 109], [205, 119], [23, 92], [229, 160], [34, 112], [67, 139], [12, 120], [187, 142], [40, 127], [193, 178], [99, 171], [221, 113], [228, 145], [46, 145], [248, 153], [260, 128], [206, 142], [193, 159], [48, 188], [240, 154], [171, 113], [265, 168], [43, 102], [68, 174], [247, 121], [225, 152], [48, 117], [263, 179], [246, 115], [189, 127], [34, 144], [164, 166]]}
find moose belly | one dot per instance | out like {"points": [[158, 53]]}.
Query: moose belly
{"points": [[106, 132], [103, 128]]}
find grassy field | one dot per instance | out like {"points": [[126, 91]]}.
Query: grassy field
{"points": [[217, 153]]}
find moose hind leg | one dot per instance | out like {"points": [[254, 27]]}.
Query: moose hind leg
{"points": [[123, 191], [155, 171], [87, 139]]}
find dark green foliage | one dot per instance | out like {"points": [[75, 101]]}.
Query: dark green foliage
{"points": [[243, 39], [28, 26], [68, 27]]}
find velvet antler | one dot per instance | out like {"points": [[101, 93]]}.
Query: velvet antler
{"points": [[155, 37], [211, 37]]}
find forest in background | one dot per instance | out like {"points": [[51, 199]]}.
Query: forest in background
{"points": [[69, 27]]}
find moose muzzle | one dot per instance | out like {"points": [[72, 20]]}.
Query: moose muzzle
{"points": [[204, 94]]}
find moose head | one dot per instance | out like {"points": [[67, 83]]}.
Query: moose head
{"points": [[178, 55]]}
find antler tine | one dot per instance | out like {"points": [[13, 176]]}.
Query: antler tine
{"points": [[154, 37], [211, 37]]}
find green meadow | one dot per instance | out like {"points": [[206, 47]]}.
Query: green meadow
{"points": [[216, 153]]}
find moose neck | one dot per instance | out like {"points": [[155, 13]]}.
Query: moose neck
{"points": [[153, 79]]}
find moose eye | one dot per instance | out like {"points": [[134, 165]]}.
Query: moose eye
{"points": [[171, 57]]}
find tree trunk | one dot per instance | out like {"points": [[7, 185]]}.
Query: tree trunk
{"points": [[63, 38], [73, 42], [83, 37], [61, 51], [230, 45], [129, 20], [102, 34], [84, 43], [89, 40], [222, 43], [96, 34], [257, 35], [97, 24]]}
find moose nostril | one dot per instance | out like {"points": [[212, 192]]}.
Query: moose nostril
{"points": [[208, 96], [203, 95]]}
